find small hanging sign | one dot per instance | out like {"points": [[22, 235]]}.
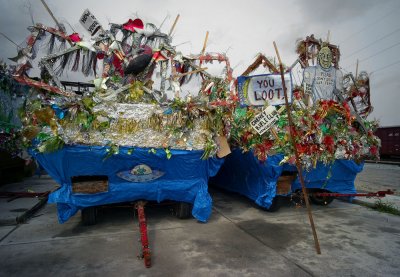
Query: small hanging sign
{"points": [[89, 21], [265, 120]]}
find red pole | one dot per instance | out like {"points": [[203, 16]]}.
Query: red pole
{"points": [[143, 234]]}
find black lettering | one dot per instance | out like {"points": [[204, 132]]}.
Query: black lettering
{"points": [[271, 94], [271, 82], [256, 96], [278, 90], [264, 95]]}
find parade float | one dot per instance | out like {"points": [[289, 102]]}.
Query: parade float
{"points": [[139, 131], [331, 135], [135, 133]]}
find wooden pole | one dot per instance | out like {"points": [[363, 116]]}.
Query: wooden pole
{"points": [[298, 164], [54, 18], [192, 72], [356, 70], [173, 26], [9, 40], [203, 50], [328, 37], [204, 45], [49, 11]]}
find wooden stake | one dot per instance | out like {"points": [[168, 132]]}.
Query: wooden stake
{"points": [[356, 70], [275, 134], [204, 48], [9, 40], [298, 164], [49, 11], [192, 72], [204, 45], [173, 26], [54, 18], [328, 37]]}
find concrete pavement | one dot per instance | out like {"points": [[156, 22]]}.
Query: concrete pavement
{"points": [[376, 177], [240, 239]]}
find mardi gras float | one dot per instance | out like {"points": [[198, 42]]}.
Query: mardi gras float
{"points": [[331, 134], [133, 129], [135, 119]]}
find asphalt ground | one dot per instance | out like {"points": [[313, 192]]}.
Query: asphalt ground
{"points": [[240, 239]]}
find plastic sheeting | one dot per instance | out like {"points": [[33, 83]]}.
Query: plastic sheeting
{"points": [[245, 174], [337, 177], [185, 179]]}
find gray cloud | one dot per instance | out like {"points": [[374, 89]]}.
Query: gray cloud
{"points": [[328, 11]]}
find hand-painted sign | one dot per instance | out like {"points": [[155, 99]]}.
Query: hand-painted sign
{"points": [[256, 90], [321, 80], [264, 121], [89, 21]]}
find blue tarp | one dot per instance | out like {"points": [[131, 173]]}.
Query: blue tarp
{"points": [[185, 179], [245, 174], [338, 177]]}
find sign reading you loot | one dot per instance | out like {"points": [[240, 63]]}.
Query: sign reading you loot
{"points": [[256, 90], [264, 121]]}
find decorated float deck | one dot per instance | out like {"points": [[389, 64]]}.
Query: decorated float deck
{"points": [[327, 137], [136, 133]]}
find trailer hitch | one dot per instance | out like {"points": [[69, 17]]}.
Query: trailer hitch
{"points": [[146, 254], [381, 193]]}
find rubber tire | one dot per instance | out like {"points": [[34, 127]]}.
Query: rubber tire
{"points": [[321, 200], [276, 204], [183, 210], [89, 216]]}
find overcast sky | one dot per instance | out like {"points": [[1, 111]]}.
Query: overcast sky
{"points": [[364, 29]]}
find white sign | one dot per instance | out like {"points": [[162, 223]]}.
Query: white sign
{"points": [[320, 82], [89, 21], [264, 121], [269, 88]]}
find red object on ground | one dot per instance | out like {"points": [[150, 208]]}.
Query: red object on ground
{"points": [[368, 194], [143, 234]]}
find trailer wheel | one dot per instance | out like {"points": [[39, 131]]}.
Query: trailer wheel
{"points": [[321, 200], [276, 204], [183, 210], [89, 216]]}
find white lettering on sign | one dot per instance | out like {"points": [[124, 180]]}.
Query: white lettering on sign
{"points": [[268, 88], [264, 121], [89, 21]]}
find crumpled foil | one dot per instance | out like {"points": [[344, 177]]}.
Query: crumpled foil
{"points": [[146, 137]]}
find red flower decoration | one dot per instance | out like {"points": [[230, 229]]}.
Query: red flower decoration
{"points": [[100, 55], [297, 94], [329, 143], [158, 56], [118, 65], [131, 25], [374, 150], [75, 37]]}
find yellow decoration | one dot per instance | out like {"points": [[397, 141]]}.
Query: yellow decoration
{"points": [[136, 92], [44, 115], [53, 126]]}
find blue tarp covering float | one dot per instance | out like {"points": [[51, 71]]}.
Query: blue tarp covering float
{"points": [[185, 177], [338, 177], [245, 174]]}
